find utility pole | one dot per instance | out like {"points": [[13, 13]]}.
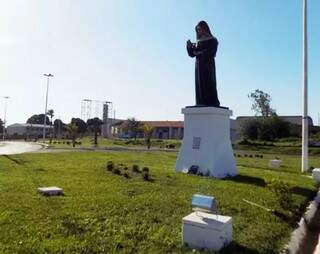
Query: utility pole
{"points": [[304, 162], [4, 116], [46, 106]]}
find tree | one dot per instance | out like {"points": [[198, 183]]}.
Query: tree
{"points": [[51, 114], [261, 103], [1, 126], [58, 126], [81, 125], [72, 129], [147, 131], [38, 119], [132, 126], [265, 128], [94, 125]]}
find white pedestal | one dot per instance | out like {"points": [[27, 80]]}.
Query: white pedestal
{"points": [[206, 142], [206, 231], [316, 174], [274, 163]]}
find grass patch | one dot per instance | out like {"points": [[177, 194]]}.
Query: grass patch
{"points": [[107, 213]]}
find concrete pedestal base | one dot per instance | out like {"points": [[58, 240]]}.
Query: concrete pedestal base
{"points": [[206, 142], [206, 231]]}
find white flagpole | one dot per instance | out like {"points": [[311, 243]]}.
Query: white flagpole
{"points": [[305, 91]]}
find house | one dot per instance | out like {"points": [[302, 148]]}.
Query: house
{"points": [[24, 130], [164, 130]]}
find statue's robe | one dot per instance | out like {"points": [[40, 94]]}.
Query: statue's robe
{"points": [[205, 71]]}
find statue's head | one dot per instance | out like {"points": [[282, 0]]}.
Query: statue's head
{"points": [[203, 30]]}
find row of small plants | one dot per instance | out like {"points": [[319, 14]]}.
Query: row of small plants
{"points": [[66, 142], [125, 171], [249, 155]]}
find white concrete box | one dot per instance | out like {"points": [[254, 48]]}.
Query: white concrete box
{"points": [[274, 163], [50, 191], [206, 142], [206, 231], [316, 174]]}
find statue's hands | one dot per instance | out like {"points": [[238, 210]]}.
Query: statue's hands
{"points": [[189, 44]]}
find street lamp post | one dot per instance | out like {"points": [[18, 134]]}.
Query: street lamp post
{"points": [[46, 106], [305, 123], [4, 116]]}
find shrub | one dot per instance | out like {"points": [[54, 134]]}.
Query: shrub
{"points": [[126, 175], [239, 155], [110, 165], [145, 169], [283, 192], [135, 168], [125, 168], [245, 155], [193, 169], [68, 142], [250, 156], [146, 176], [116, 171]]}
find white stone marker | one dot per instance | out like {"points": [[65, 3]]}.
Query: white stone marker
{"points": [[274, 163], [206, 231], [316, 174], [50, 191], [206, 142]]}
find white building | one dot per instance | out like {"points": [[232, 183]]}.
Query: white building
{"points": [[22, 130]]}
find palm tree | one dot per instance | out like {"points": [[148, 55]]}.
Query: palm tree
{"points": [[51, 114], [72, 129], [147, 131], [94, 125]]}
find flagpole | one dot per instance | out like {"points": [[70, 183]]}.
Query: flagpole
{"points": [[305, 90]]}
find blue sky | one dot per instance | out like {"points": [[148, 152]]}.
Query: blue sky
{"points": [[133, 54]]}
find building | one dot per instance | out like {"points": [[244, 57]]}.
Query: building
{"points": [[164, 130], [27, 130]]}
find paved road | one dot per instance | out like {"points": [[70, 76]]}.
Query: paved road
{"points": [[14, 147]]}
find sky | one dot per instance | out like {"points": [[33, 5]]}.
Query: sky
{"points": [[133, 54]]}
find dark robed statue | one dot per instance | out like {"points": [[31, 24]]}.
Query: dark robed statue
{"points": [[205, 72]]}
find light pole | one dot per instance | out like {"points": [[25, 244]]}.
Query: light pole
{"points": [[4, 116], [46, 106], [304, 162]]}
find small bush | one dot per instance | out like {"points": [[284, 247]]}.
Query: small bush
{"points": [[145, 169], [68, 142], [146, 176], [250, 156], [239, 155], [245, 155], [110, 165], [193, 170], [116, 171], [261, 156], [126, 175], [125, 168], [135, 168]]}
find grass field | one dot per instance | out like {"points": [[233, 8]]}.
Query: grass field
{"points": [[107, 213]]}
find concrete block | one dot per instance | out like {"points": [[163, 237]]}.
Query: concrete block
{"points": [[275, 163], [206, 231], [51, 191]]}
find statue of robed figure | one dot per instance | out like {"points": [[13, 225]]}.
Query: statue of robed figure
{"points": [[205, 70]]}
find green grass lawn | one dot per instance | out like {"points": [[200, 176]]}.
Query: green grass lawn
{"points": [[107, 213]]}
